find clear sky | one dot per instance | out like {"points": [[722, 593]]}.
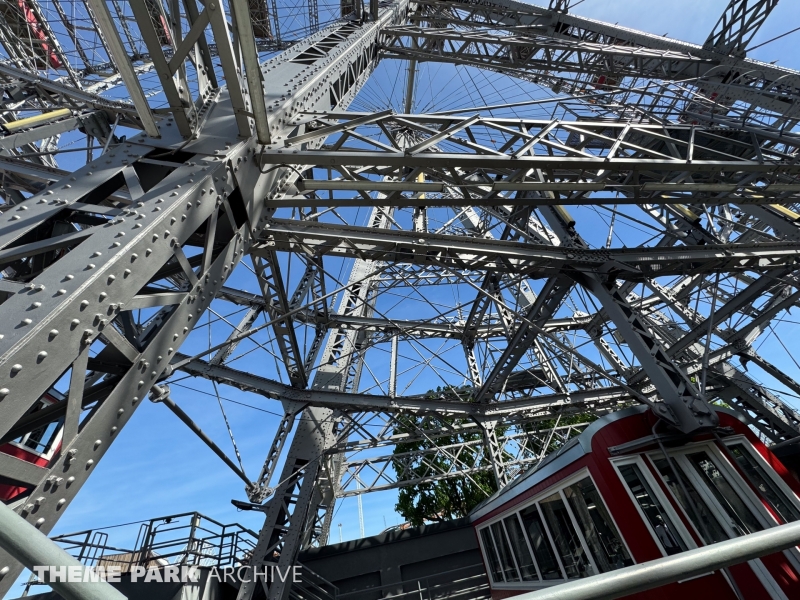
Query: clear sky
{"points": [[158, 467]]}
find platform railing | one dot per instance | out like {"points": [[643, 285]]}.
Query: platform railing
{"points": [[464, 583], [182, 539]]}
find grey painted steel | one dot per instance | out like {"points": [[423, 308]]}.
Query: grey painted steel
{"points": [[253, 70], [512, 14], [739, 23], [116, 275], [672, 153], [656, 573], [109, 31], [33, 548]]}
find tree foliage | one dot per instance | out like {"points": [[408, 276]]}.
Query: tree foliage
{"points": [[452, 497]]}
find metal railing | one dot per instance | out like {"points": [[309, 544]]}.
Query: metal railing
{"points": [[312, 586], [182, 539], [464, 583]]}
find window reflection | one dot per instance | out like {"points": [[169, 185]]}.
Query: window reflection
{"points": [[742, 519], [778, 501], [541, 541], [598, 529], [660, 522], [520, 547], [708, 527], [573, 556], [504, 553], [545, 557], [491, 556]]}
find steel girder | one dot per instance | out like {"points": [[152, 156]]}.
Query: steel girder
{"points": [[299, 513], [719, 191], [521, 54], [544, 404], [80, 299], [740, 21], [733, 77], [533, 261]]}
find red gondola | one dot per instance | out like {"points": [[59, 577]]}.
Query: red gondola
{"points": [[626, 492], [37, 446]]}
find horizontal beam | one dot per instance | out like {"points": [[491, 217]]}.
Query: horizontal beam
{"points": [[535, 261], [610, 397], [443, 160], [417, 329]]}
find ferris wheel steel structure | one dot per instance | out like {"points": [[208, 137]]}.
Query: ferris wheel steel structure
{"points": [[234, 163]]}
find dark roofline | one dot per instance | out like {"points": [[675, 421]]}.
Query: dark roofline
{"points": [[570, 452], [388, 537]]}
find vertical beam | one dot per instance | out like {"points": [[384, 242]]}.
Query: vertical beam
{"points": [[260, 491], [289, 508], [494, 449], [393, 369], [178, 96], [408, 102], [122, 61], [233, 72], [269, 276], [255, 85]]}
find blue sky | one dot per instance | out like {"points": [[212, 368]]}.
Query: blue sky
{"points": [[158, 467]]}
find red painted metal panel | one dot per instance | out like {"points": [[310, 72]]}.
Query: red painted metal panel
{"points": [[632, 528]]}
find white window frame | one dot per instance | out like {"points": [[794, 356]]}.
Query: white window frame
{"points": [[745, 493], [659, 494], [773, 476], [732, 476], [516, 515], [485, 553], [557, 488]]}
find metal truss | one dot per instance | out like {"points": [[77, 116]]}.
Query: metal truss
{"points": [[738, 24], [435, 292]]}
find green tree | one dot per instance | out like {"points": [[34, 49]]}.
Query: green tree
{"points": [[452, 497]]}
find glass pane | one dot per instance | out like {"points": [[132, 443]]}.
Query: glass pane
{"points": [[520, 547], [742, 519], [504, 553], [758, 476], [653, 511], [491, 556], [542, 550], [569, 546], [709, 528], [598, 529]]}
